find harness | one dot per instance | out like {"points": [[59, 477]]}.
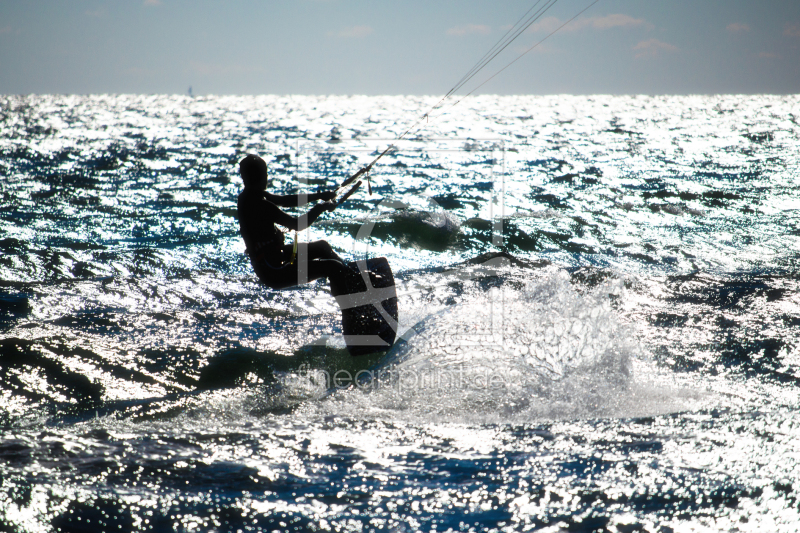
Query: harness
{"points": [[259, 253]]}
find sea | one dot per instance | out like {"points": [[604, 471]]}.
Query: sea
{"points": [[599, 318]]}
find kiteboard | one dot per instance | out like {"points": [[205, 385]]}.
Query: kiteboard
{"points": [[366, 296], [368, 301]]}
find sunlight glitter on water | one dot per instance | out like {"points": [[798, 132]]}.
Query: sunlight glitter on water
{"points": [[147, 378]]}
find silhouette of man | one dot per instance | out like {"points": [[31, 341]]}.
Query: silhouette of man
{"points": [[276, 264]]}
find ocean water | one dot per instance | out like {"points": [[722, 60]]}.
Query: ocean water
{"points": [[599, 317]]}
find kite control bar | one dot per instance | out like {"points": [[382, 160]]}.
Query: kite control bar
{"points": [[339, 202]]}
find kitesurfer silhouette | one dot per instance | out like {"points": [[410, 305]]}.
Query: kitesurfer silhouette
{"points": [[276, 264]]}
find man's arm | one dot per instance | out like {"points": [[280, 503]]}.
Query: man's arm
{"points": [[299, 200], [300, 223]]}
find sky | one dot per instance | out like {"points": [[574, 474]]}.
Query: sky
{"points": [[413, 47]]}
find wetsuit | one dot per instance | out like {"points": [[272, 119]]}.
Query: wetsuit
{"points": [[273, 261]]}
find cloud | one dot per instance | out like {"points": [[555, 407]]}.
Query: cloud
{"points": [[614, 21], [738, 27], [152, 2], [355, 32], [617, 20], [470, 29], [653, 47], [792, 30], [8, 30], [767, 55], [96, 13]]}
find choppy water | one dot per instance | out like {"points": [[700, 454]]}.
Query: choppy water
{"points": [[630, 363]]}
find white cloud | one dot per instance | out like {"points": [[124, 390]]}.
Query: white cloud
{"points": [[96, 13], [653, 47], [5, 29], [152, 2], [617, 20], [738, 27], [354, 32], [470, 29], [792, 30]]}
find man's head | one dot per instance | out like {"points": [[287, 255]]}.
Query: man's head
{"points": [[253, 170]]}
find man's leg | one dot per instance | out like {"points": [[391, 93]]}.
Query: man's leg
{"points": [[320, 250], [320, 262]]}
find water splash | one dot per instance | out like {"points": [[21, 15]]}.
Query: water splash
{"points": [[509, 353]]}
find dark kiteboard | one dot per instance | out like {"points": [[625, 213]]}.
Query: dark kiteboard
{"points": [[367, 297], [369, 312]]}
